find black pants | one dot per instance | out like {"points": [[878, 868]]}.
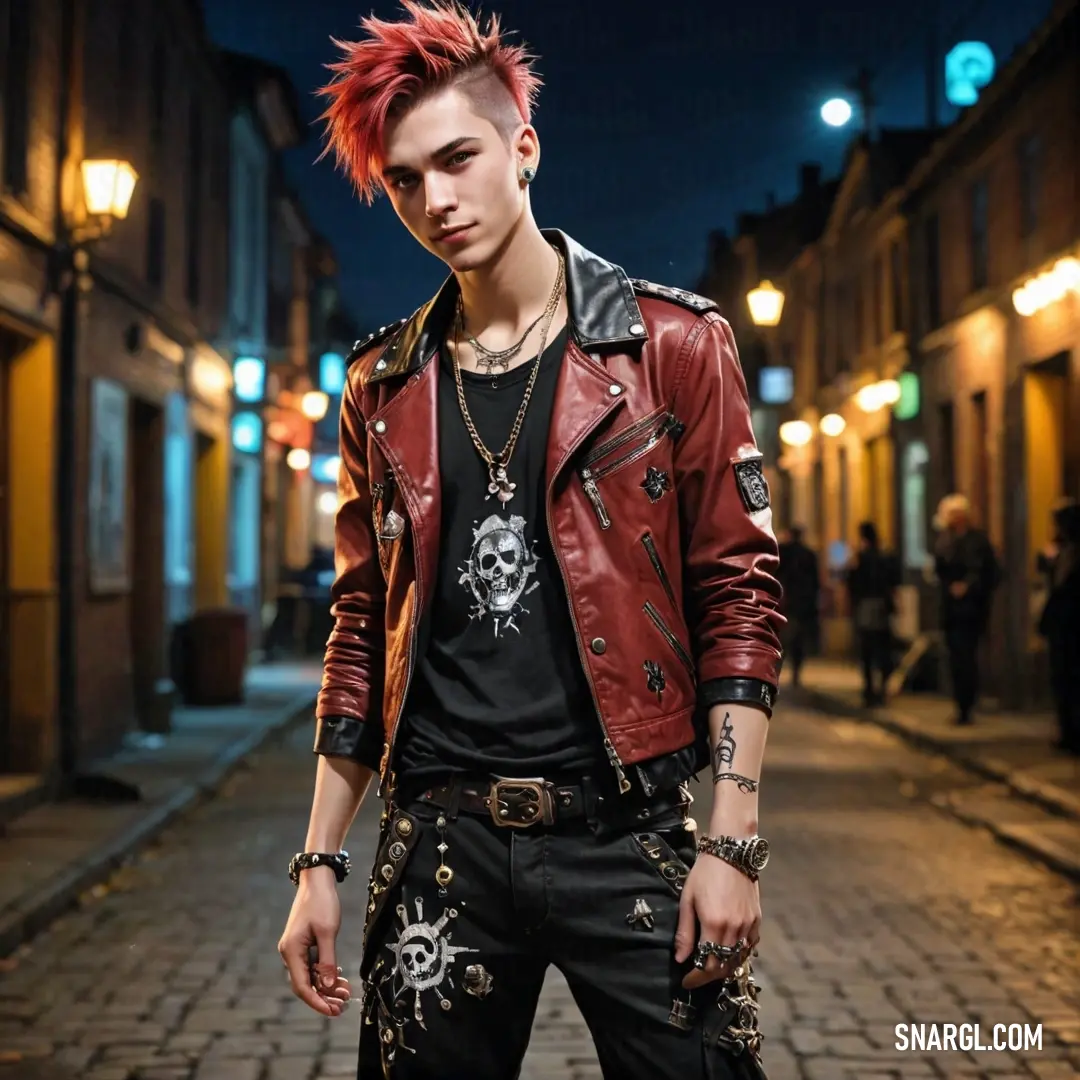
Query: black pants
{"points": [[519, 900], [875, 651], [795, 637], [1064, 653], [962, 643]]}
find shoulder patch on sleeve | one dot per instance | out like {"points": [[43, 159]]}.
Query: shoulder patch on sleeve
{"points": [[753, 487], [677, 296], [361, 345]]}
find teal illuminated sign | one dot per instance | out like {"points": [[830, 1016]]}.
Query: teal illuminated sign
{"points": [[907, 408], [969, 67]]}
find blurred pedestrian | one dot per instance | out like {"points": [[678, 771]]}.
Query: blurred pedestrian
{"points": [[800, 577], [1060, 622], [872, 579], [968, 573]]}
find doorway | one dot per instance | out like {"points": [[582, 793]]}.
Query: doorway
{"points": [[147, 616], [1046, 422]]}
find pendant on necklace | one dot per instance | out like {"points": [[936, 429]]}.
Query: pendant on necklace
{"points": [[500, 485]]}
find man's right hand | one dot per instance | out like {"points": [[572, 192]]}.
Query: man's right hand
{"points": [[313, 924]]}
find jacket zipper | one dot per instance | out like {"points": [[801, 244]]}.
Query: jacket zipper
{"points": [[672, 640], [609, 748], [617, 441], [590, 475], [654, 557]]}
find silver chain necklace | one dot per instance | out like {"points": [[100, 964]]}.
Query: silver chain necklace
{"points": [[499, 483]]}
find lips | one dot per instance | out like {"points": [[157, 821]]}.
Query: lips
{"points": [[453, 234]]}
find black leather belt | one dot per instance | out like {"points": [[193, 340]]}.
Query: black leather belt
{"points": [[522, 803]]}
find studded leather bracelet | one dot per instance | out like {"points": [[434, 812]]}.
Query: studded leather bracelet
{"points": [[338, 861]]}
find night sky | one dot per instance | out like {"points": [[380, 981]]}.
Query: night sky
{"points": [[658, 122]]}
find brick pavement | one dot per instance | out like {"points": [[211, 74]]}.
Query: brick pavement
{"points": [[1030, 798], [878, 909], [56, 850]]}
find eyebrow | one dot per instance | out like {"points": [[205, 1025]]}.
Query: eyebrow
{"points": [[444, 151]]}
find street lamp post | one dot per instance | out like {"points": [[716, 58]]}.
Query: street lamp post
{"points": [[107, 187]]}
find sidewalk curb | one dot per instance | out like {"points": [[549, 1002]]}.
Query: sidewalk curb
{"points": [[28, 917], [1046, 796], [1019, 837]]}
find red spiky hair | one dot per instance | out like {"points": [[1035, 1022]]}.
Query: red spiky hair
{"points": [[398, 63]]}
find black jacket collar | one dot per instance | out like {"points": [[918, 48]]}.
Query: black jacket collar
{"points": [[604, 312]]}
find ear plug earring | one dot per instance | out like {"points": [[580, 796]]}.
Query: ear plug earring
{"points": [[528, 174]]}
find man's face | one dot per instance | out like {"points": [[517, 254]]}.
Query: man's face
{"points": [[453, 180]]}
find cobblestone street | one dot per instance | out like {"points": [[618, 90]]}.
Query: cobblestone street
{"points": [[879, 909]]}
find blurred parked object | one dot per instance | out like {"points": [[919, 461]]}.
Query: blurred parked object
{"points": [[213, 657]]}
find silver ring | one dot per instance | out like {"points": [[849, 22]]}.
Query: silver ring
{"points": [[722, 952]]}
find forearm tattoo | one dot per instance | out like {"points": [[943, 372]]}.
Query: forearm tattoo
{"points": [[746, 785], [724, 752]]}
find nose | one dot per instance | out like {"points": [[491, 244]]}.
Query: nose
{"points": [[440, 198]]}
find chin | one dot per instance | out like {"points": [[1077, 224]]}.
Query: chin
{"points": [[470, 257]]}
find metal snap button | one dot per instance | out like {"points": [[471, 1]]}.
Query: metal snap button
{"points": [[614, 390], [380, 365], [637, 328], [598, 645], [380, 426]]}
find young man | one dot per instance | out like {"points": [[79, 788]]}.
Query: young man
{"points": [[556, 601]]}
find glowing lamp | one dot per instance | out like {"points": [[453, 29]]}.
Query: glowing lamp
{"points": [[766, 304], [889, 391], [298, 459], [1048, 287], [878, 395], [327, 503], [108, 187], [836, 112], [796, 433], [314, 405], [832, 424]]}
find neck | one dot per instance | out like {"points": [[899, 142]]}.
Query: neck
{"points": [[512, 288]]}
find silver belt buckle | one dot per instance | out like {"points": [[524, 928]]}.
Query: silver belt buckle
{"points": [[519, 804]]}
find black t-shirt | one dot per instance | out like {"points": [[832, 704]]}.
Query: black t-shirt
{"points": [[499, 686]]}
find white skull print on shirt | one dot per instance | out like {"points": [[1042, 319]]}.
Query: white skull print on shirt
{"points": [[497, 571]]}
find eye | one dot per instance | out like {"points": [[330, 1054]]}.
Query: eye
{"points": [[460, 157], [403, 183]]}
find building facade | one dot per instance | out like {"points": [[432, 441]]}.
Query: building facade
{"points": [[934, 331], [847, 330], [31, 67], [995, 278], [265, 122], [152, 389]]}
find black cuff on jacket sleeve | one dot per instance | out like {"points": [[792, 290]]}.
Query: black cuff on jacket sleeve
{"points": [[345, 736], [737, 691]]}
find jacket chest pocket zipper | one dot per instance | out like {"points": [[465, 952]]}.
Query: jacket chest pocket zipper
{"points": [[649, 544], [653, 429], [676, 645]]}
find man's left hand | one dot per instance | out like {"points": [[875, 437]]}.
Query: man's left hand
{"points": [[719, 904]]}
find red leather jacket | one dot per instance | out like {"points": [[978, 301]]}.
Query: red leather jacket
{"points": [[657, 510]]}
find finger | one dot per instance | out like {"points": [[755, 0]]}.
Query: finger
{"points": [[716, 968], [341, 991], [700, 975], [324, 969], [294, 953], [685, 930]]}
